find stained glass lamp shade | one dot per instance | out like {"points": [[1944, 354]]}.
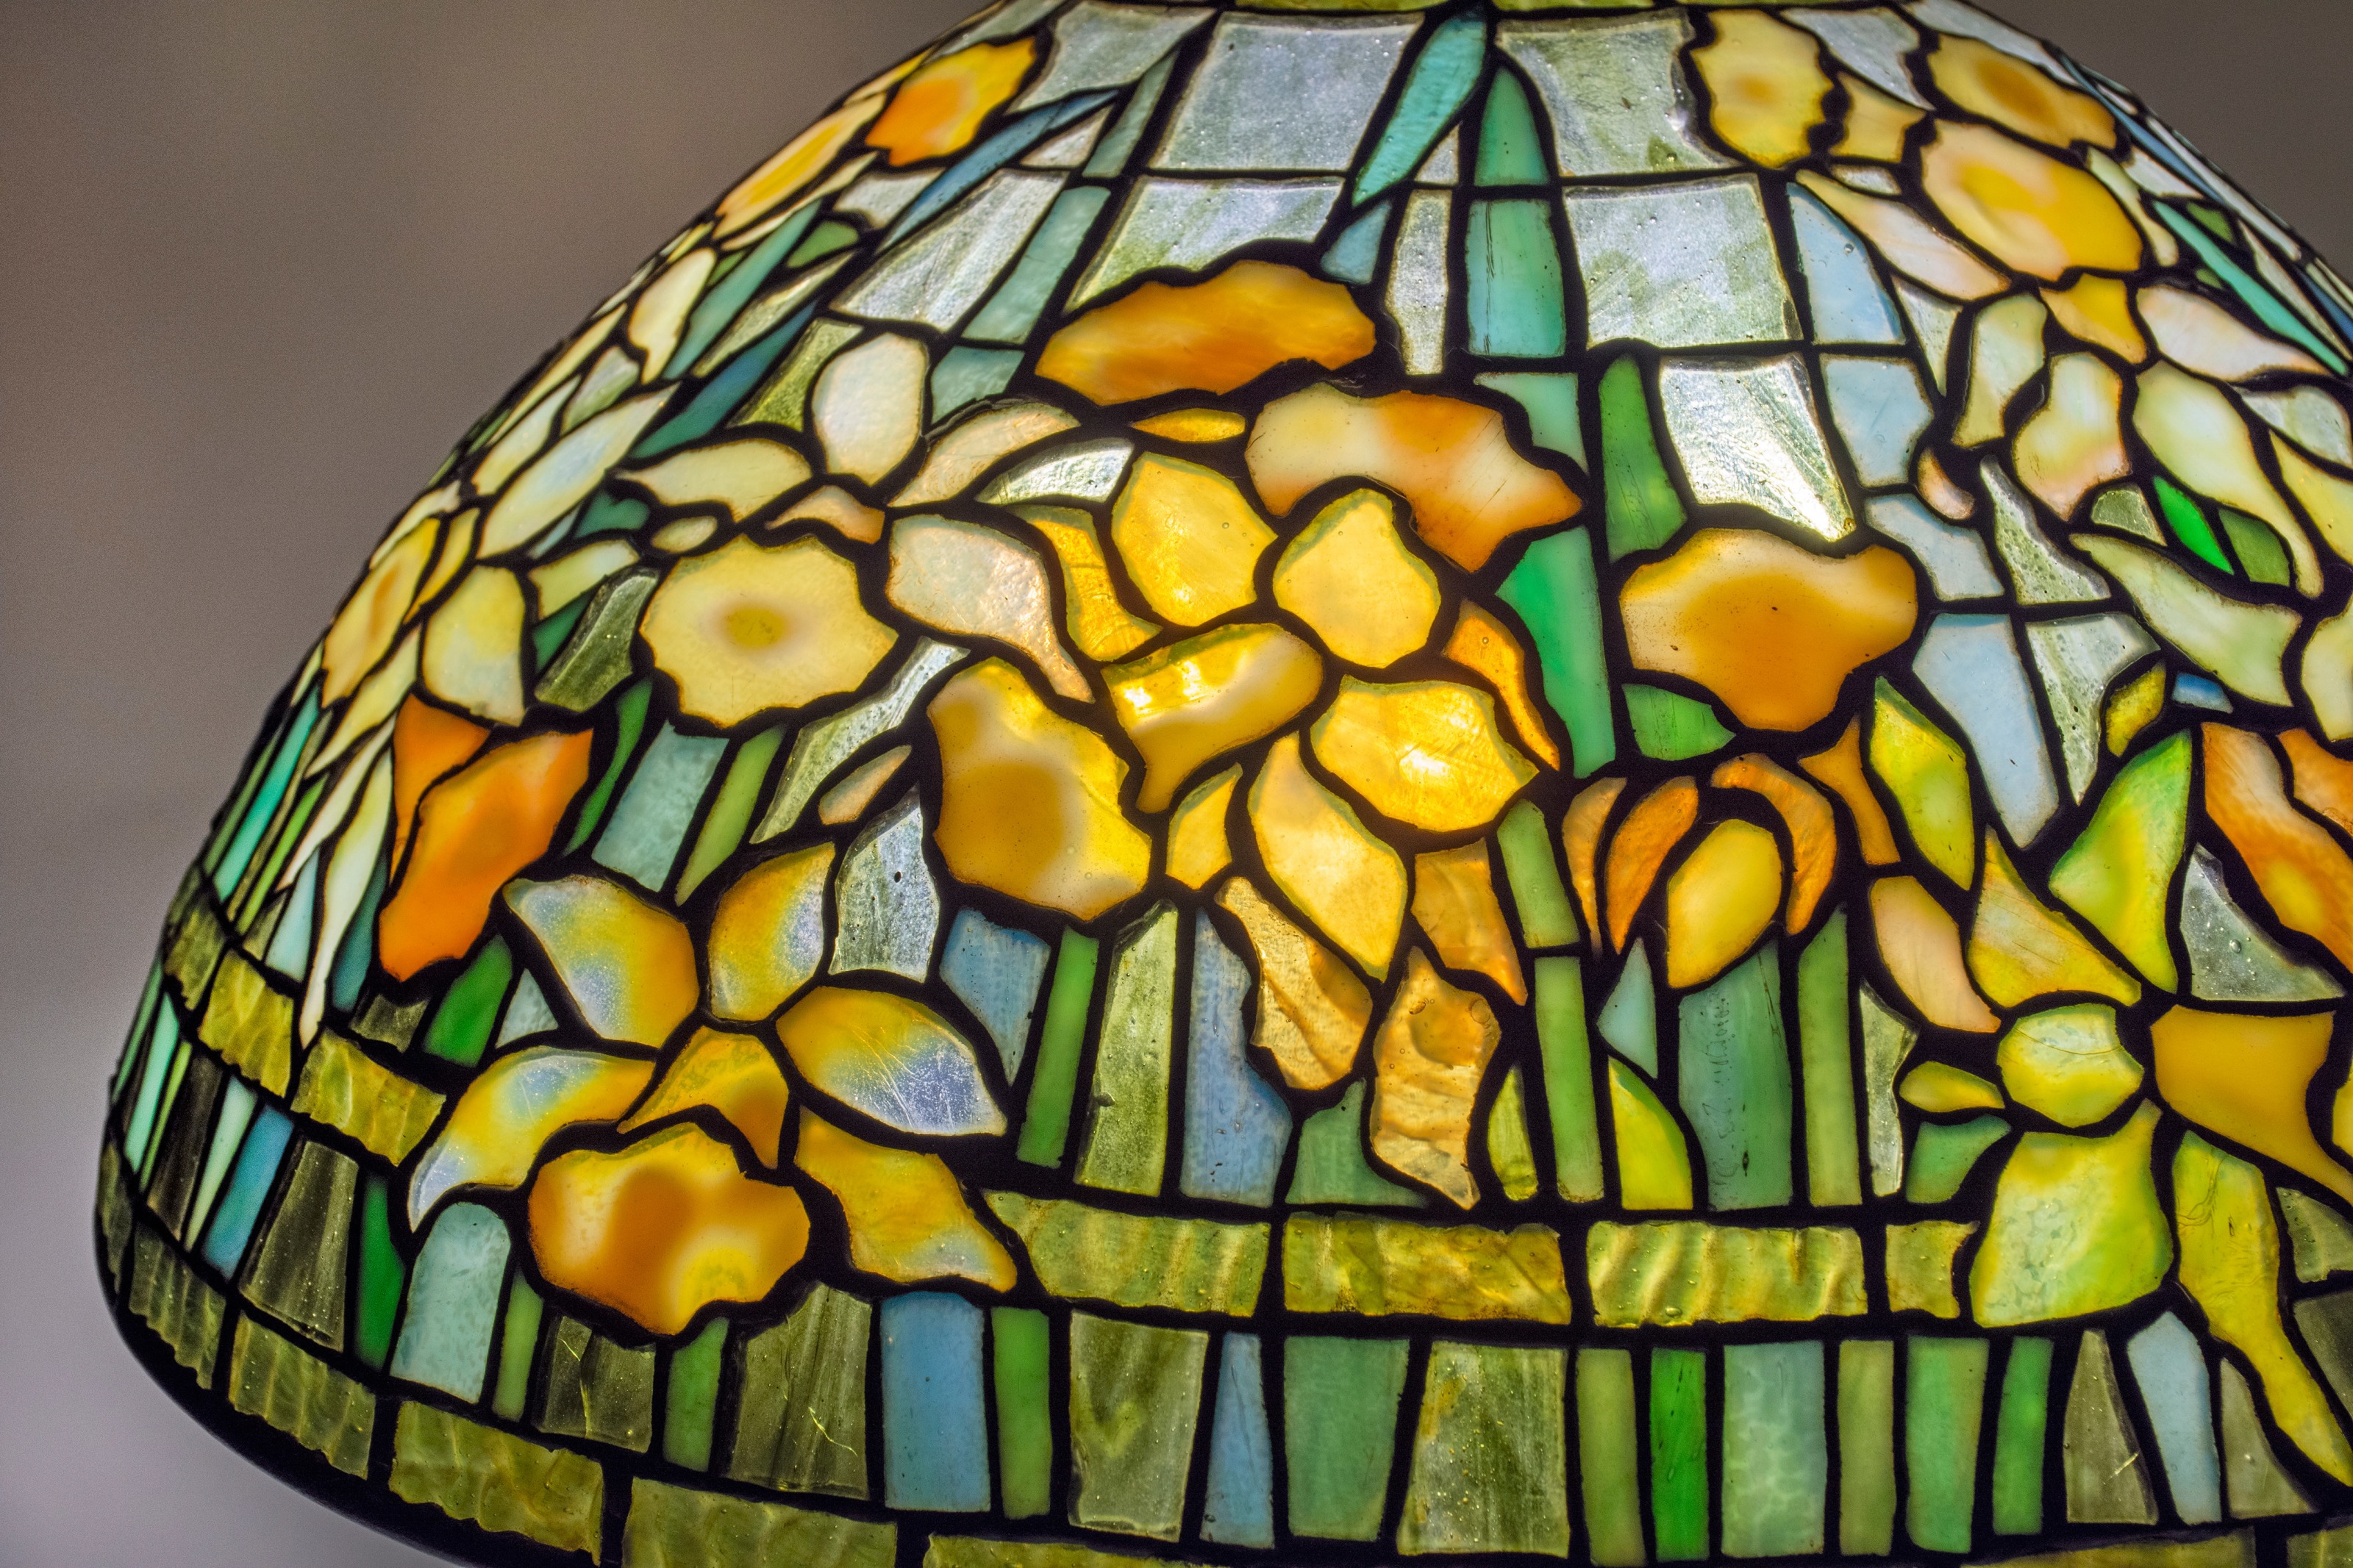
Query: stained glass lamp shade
{"points": [[1254, 786]]}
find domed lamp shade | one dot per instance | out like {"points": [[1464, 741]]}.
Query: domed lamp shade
{"points": [[1319, 786]]}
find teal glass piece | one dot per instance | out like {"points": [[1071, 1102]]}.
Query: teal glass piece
{"points": [[237, 1105], [1012, 311], [1111, 154], [382, 1277], [1354, 256], [145, 1154], [267, 798], [1567, 1057], [2188, 522], [642, 838], [2174, 1387], [1510, 150], [1971, 665], [1549, 400], [1639, 506], [2020, 1438], [1236, 1125], [352, 960], [162, 1046], [1880, 409], [628, 724], [1558, 598], [1629, 1019], [1046, 1125], [1332, 1167], [1833, 1170], [724, 300], [720, 396], [1339, 1428], [2266, 304], [934, 1433], [289, 952], [462, 1025], [250, 1182], [1513, 301], [966, 375], [990, 156], [1238, 1501], [1670, 726], [1943, 1408], [1846, 301], [1437, 85], [453, 1302], [690, 1400], [996, 971], [1775, 1453], [1944, 1154], [1732, 1071], [608, 513], [143, 1022], [1679, 1490], [828, 238]]}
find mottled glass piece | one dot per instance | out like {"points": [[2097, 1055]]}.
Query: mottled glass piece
{"points": [[1733, 1078], [2107, 1482], [1971, 665], [1489, 1469], [1607, 1457], [970, 581], [801, 1426], [1615, 91], [1781, 466], [1685, 1271], [1881, 409], [1238, 1499], [1190, 224], [1776, 1454], [887, 910], [890, 1058], [1277, 92], [1420, 283], [1126, 1137], [1188, 1265], [453, 1302], [935, 276], [2232, 958], [1130, 1476], [1679, 265], [649, 824]]}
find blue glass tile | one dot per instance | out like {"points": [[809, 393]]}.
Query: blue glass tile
{"points": [[934, 1436]]}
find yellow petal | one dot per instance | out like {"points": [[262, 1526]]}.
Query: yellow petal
{"points": [[1324, 860], [1427, 752]]}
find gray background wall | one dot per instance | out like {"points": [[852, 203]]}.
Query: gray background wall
{"points": [[260, 262]]}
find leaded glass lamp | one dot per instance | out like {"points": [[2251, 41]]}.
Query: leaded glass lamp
{"points": [[1307, 785]]}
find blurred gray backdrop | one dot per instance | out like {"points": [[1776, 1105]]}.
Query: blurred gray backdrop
{"points": [[260, 262]]}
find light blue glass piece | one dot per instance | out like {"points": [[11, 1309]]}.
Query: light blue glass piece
{"points": [[146, 1156], [1776, 1460], [1843, 293], [1110, 155], [935, 1432], [988, 158], [643, 840], [1236, 1126], [1283, 92], [996, 971], [1442, 76], [163, 1044], [1881, 409], [1956, 558], [968, 374], [248, 1186], [2171, 1372], [2233, 958], [1630, 1019], [1192, 224], [527, 1012], [718, 307], [453, 1302], [2197, 691], [1353, 257], [143, 1022], [1731, 1076], [267, 798], [1238, 1505], [937, 275], [1971, 665], [1013, 309], [238, 1103], [290, 944]]}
